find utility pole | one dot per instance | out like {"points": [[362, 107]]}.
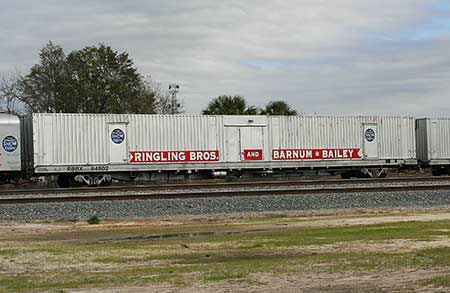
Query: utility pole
{"points": [[173, 90]]}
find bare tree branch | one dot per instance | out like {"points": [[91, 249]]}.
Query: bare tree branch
{"points": [[10, 93]]}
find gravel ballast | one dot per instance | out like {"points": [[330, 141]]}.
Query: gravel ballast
{"points": [[219, 205]]}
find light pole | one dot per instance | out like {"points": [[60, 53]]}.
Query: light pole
{"points": [[173, 90]]}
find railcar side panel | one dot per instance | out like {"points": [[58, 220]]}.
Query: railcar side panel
{"points": [[10, 148], [76, 140], [79, 143], [343, 138], [433, 141]]}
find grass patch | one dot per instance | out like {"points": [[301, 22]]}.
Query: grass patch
{"points": [[440, 281], [379, 232], [8, 252], [111, 260], [215, 257], [72, 279], [333, 262], [224, 276]]}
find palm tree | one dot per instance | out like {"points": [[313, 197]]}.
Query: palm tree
{"points": [[278, 108], [229, 105]]}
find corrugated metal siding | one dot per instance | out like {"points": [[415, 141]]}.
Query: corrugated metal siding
{"points": [[173, 132], [396, 134], [435, 139], [315, 132], [73, 139], [10, 126], [80, 139], [69, 139], [397, 137], [443, 137]]}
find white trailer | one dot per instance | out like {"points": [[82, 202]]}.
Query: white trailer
{"points": [[94, 146], [433, 144]]}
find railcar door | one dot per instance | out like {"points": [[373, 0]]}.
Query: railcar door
{"points": [[433, 140], [370, 138], [252, 143], [232, 145], [118, 146]]}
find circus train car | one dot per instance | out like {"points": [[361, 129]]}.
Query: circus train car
{"points": [[95, 149]]}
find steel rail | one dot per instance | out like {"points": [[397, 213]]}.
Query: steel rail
{"points": [[218, 185], [224, 193]]}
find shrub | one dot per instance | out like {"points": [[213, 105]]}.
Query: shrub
{"points": [[93, 220]]}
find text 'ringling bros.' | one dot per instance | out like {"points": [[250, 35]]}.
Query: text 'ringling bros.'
{"points": [[315, 154], [174, 156]]}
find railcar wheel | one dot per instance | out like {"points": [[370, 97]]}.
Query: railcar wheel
{"points": [[346, 175], [439, 171], [64, 181], [382, 175], [436, 173]]}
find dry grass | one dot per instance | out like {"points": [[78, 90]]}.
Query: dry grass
{"points": [[245, 252]]}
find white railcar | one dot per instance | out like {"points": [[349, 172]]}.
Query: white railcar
{"points": [[10, 150], [433, 144], [98, 146]]}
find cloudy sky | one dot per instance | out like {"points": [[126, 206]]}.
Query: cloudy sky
{"points": [[323, 56]]}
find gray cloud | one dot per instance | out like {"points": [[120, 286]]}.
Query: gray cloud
{"points": [[343, 56]]}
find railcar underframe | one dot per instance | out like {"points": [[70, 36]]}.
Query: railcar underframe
{"points": [[104, 174]]}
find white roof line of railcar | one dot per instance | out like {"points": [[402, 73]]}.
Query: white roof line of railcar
{"points": [[9, 118], [200, 115], [432, 118]]}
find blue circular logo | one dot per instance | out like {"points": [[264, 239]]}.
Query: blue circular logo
{"points": [[10, 144], [369, 135], [117, 136]]}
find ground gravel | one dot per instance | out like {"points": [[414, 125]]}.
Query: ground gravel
{"points": [[219, 205]]}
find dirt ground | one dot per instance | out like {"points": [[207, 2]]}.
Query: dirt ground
{"points": [[232, 222], [359, 282], [299, 281]]}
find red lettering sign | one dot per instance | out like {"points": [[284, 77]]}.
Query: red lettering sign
{"points": [[173, 156], [253, 155], [315, 154]]}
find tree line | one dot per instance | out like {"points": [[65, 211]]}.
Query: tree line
{"points": [[98, 79]]}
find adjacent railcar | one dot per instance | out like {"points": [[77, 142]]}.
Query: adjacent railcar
{"points": [[10, 150], [433, 144], [94, 148]]}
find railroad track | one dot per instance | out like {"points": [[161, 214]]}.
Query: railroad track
{"points": [[227, 184], [224, 189]]}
